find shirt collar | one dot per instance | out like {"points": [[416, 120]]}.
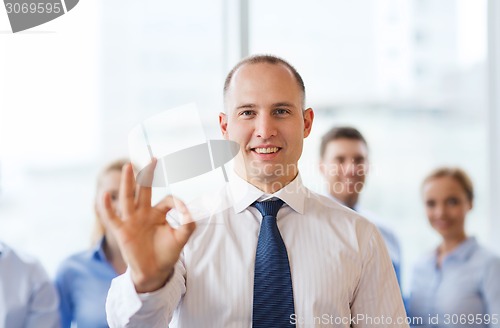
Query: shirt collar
{"points": [[245, 194], [98, 251], [464, 250]]}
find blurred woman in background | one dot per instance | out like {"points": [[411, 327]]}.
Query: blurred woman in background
{"points": [[83, 279], [458, 284]]}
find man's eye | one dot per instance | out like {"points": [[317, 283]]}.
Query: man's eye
{"points": [[430, 204], [281, 111], [340, 160], [358, 160], [246, 113], [453, 201]]}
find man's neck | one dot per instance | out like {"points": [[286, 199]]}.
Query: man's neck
{"points": [[269, 185]]}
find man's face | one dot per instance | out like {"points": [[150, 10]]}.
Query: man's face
{"points": [[264, 115], [344, 166]]}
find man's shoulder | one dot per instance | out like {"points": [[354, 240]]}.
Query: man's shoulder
{"points": [[375, 219], [381, 224], [332, 209], [324, 201]]}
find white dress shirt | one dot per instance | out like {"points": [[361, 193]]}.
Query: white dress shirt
{"points": [[391, 241], [27, 297], [339, 266]]}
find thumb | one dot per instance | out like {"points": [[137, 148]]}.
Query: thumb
{"points": [[187, 224], [187, 227]]}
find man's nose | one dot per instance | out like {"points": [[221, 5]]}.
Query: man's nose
{"points": [[350, 168], [265, 127]]}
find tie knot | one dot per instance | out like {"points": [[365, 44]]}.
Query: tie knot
{"points": [[269, 208]]}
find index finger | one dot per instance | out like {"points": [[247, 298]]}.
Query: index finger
{"points": [[145, 182]]}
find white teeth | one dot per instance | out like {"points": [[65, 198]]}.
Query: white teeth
{"points": [[266, 150]]}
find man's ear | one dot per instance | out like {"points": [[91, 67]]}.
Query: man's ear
{"points": [[308, 121], [223, 125]]}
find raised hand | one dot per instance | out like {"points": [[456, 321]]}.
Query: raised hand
{"points": [[150, 246]]}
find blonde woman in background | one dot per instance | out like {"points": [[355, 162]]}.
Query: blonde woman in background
{"points": [[458, 284], [83, 279]]}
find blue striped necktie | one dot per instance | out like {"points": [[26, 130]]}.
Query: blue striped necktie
{"points": [[272, 291]]}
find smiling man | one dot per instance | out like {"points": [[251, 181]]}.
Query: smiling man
{"points": [[266, 117], [279, 256]]}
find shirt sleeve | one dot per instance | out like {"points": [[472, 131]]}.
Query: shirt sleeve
{"points": [[65, 300], [126, 308], [491, 291], [44, 302], [377, 301]]}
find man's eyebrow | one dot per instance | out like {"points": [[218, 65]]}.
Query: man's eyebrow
{"points": [[278, 104], [283, 104], [246, 106]]}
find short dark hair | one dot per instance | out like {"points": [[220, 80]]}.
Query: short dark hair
{"points": [[456, 173], [340, 132], [268, 59]]}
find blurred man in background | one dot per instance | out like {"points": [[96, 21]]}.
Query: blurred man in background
{"points": [[344, 165]]}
